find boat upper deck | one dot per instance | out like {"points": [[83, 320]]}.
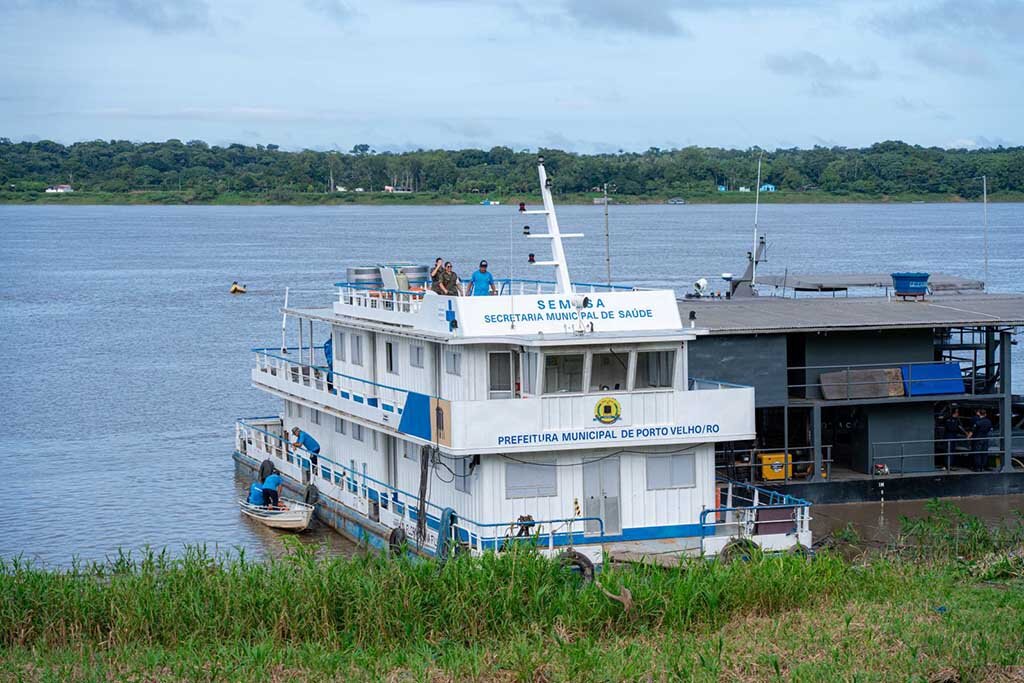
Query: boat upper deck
{"points": [[522, 309], [768, 314]]}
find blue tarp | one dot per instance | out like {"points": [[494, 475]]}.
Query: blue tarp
{"points": [[932, 378]]}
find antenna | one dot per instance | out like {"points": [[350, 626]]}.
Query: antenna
{"points": [[607, 240], [757, 204], [984, 200]]}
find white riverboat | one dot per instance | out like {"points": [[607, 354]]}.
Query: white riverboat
{"points": [[291, 515], [558, 411]]}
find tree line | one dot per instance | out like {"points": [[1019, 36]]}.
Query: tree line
{"points": [[204, 171]]}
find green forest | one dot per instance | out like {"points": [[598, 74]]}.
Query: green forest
{"points": [[194, 172]]}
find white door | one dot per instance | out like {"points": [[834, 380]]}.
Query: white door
{"points": [[601, 495]]}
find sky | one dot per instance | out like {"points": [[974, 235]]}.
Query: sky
{"points": [[581, 75]]}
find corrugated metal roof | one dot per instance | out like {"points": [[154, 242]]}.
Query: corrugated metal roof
{"points": [[777, 314]]}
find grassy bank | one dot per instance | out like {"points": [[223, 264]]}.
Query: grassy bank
{"points": [[950, 601], [188, 197]]}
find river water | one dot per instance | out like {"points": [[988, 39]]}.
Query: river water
{"points": [[127, 362]]}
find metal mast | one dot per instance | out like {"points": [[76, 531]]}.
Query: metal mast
{"points": [[564, 284]]}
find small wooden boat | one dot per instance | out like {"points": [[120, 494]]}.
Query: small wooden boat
{"points": [[293, 515]]}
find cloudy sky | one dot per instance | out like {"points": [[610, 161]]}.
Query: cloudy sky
{"points": [[584, 75]]}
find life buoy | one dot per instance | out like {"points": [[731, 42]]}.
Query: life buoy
{"points": [[397, 541], [577, 561]]}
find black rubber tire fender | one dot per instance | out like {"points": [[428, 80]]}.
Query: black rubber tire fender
{"points": [[310, 495], [739, 550], [266, 469], [397, 541], [575, 560]]}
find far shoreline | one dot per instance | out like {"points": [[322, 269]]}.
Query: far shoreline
{"points": [[286, 198]]}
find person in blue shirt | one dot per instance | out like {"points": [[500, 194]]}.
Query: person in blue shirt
{"points": [[482, 282], [256, 494], [271, 489], [329, 355], [306, 441]]}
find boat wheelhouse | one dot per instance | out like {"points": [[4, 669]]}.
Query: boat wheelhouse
{"points": [[559, 411]]}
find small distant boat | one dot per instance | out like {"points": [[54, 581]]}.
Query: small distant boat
{"points": [[676, 201], [490, 202], [237, 288], [294, 516]]}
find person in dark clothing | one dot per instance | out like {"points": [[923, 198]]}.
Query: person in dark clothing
{"points": [[953, 433], [435, 276], [979, 439]]}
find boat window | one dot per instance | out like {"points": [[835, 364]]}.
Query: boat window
{"points": [[530, 360], [655, 369], [453, 362], [499, 367], [339, 346], [609, 371], [357, 431], [461, 468], [294, 410], [563, 374], [389, 357], [357, 349], [339, 425], [411, 451], [530, 480], [671, 471], [416, 356], [314, 416]]}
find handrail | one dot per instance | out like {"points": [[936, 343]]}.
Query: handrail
{"points": [[694, 380], [363, 478], [529, 281], [373, 288], [266, 352]]}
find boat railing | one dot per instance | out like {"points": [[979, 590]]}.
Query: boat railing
{"points": [[745, 510], [796, 464], [525, 286], [924, 454], [332, 384], [703, 384], [371, 297], [366, 492]]}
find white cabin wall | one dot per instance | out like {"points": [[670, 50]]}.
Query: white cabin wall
{"points": [[420, 380], [440, 491], [471, 383], [341, 448]]}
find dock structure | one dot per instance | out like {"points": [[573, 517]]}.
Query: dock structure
{"points": [[854, 395]]}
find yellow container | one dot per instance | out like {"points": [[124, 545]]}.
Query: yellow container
{"points": [[773, 466]]}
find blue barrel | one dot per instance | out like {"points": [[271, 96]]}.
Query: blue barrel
{"points": [[910, 284]]}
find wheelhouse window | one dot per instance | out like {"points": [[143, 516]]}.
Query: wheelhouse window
{"points": [[563, 373], [357, 349], [499, 370], [389, 358], [416, 356], [530, 480], [453, 362], [609, 371], [675, 471], [655, 369]]}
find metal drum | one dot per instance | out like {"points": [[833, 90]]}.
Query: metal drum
{"points": [[365, 276], [418, 275]]}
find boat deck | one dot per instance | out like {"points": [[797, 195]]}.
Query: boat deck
{"points": [[665, 552]]}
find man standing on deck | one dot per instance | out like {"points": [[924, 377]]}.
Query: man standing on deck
{"points": [[306, 441], [979, 439], [482, 282]]}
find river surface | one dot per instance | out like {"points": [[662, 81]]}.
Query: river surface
{"points": [[127, 362]]}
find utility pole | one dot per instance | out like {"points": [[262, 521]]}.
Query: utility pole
{"points": [[984, 200], [607, 240]]}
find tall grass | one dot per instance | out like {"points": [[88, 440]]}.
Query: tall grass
{"points": [[377, 602]]}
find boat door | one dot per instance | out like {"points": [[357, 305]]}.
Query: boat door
{"points": [[601, 495], [391, 459]]}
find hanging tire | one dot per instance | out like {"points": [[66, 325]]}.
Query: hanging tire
{"points": [[266, 469], [397, 541], [578, 562], [739, 550], [310, 495]]}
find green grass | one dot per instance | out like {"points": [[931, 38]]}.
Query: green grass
{"points": [[906, 614]]}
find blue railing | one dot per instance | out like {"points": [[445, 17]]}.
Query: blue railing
{"points": [[756, 500], [508, 282], [354, 480], [696, 382], [327, 371]]}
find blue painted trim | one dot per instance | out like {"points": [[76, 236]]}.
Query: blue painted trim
{"points": [[416, 417], [372, 402], [345, 394], [357, 399], [388, 407]]}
